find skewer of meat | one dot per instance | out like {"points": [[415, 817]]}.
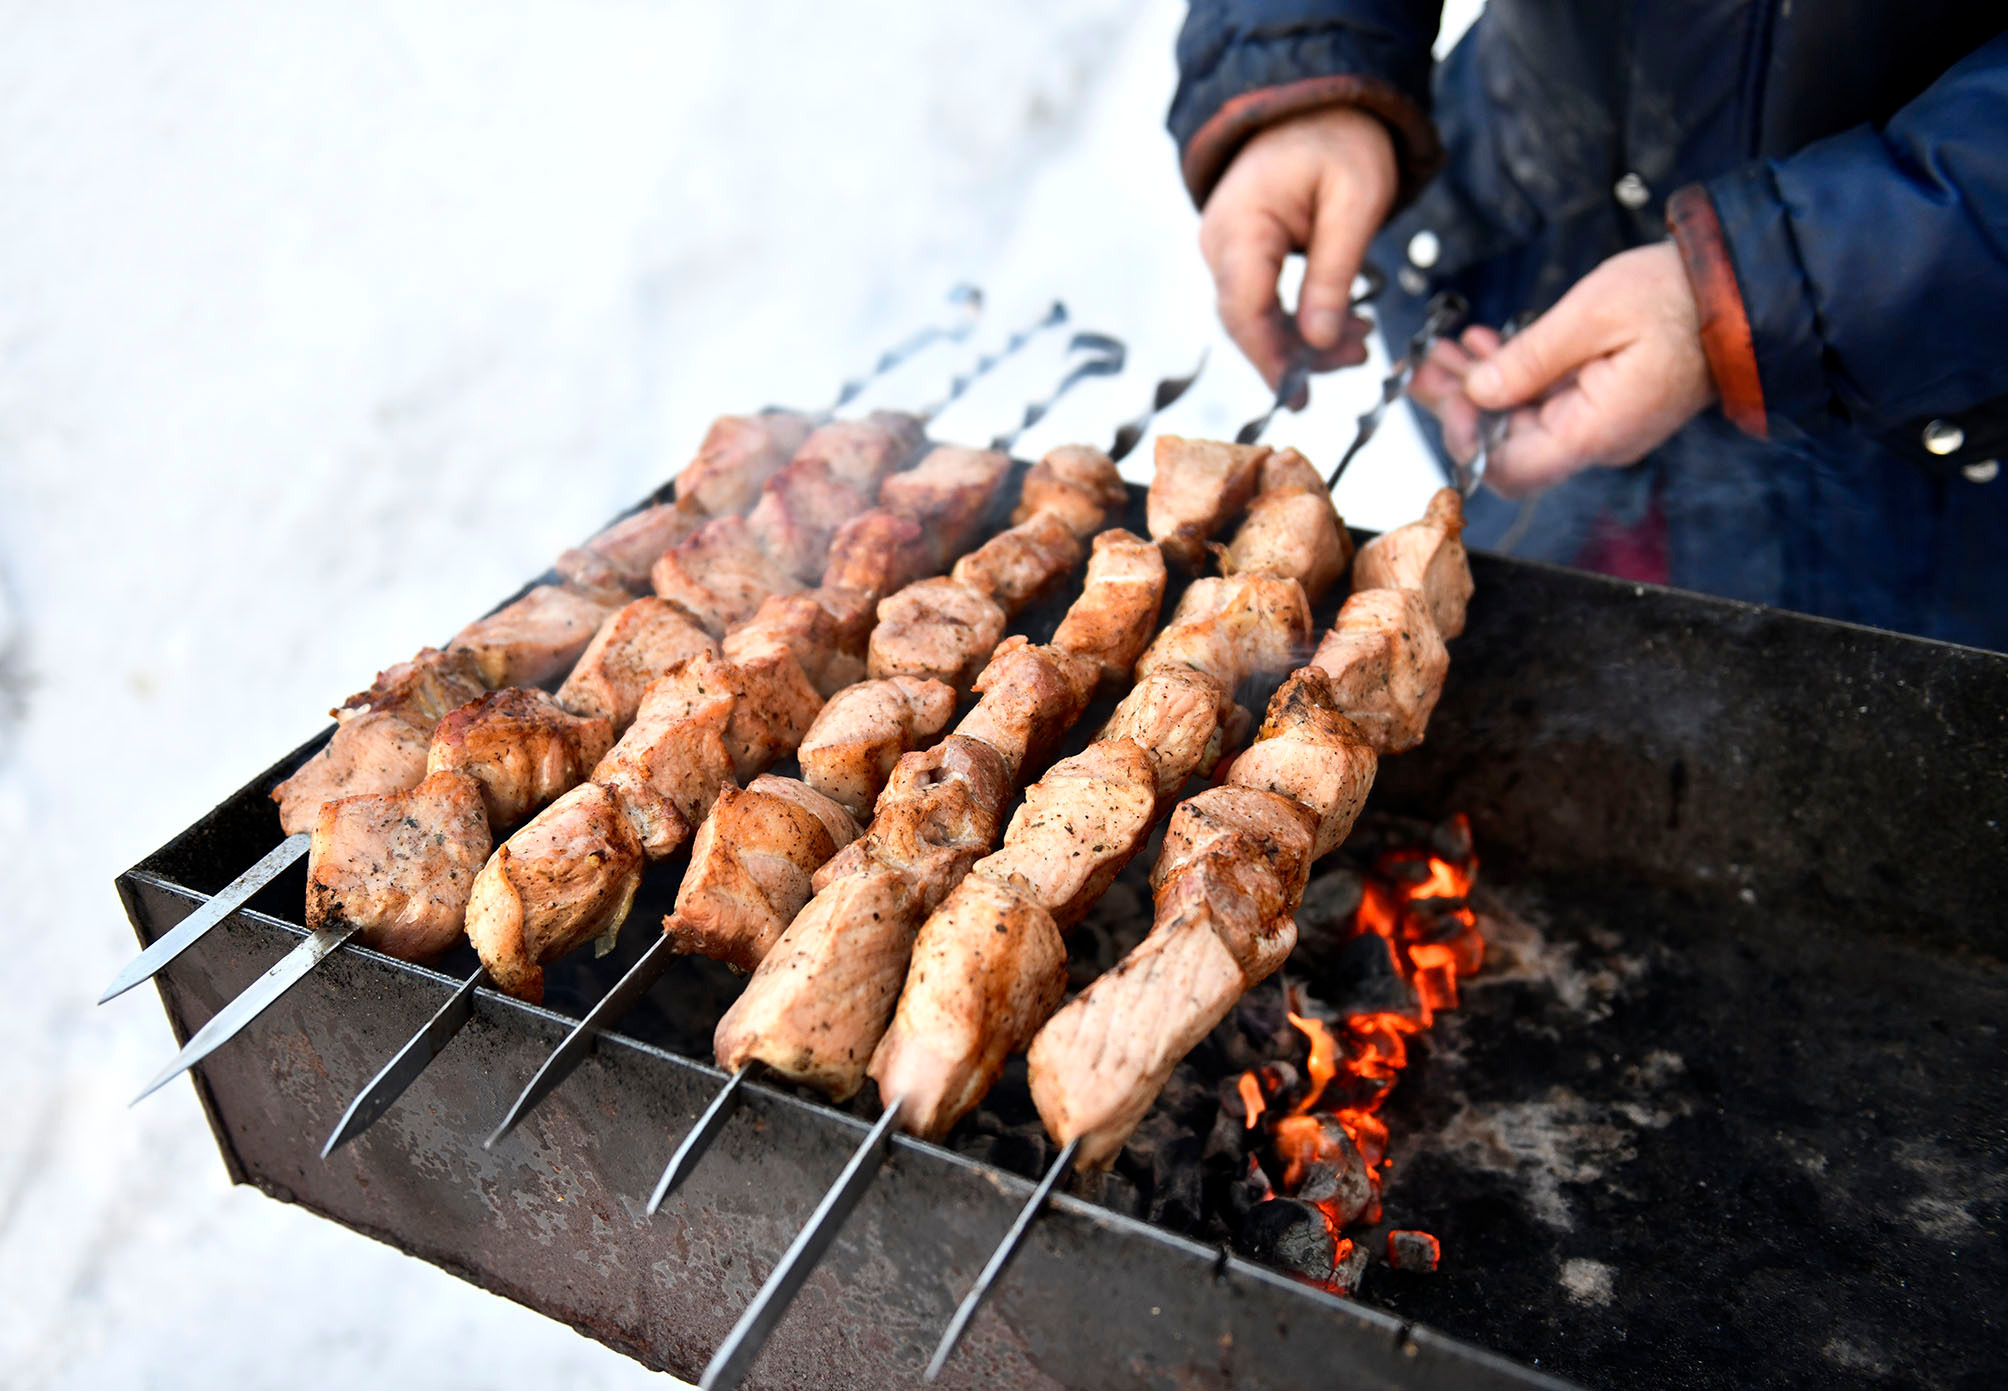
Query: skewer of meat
{"points": [[591, 874], [853, 746], [798, 510], [989, 965], [393, 720], [1236, 857]]}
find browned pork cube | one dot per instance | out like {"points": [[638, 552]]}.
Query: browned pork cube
{"points": [[850, 749], [1016, 566], [521, 747], [1076, 483], [369, 753], [721, 576], [939, 629], [533, 639], [1198, 487], [399, 865], [739, 454], [1387, 663], [1426, 556], [631, 649]]}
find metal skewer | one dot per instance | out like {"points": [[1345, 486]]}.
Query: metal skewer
{"points": [[1007, 1248], [411, 1060], [1298, 373], [1443, 313], [1109, 356], [968, 300], [743, 1344], [980, 368]]}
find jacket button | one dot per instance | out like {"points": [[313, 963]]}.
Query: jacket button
{"points": [[1632, 192], [1943, 437], [1423, 249], [1986, 471], [1411, 280]]}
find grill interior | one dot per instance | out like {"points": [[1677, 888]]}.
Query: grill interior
{"points": [[1722, 1109]]}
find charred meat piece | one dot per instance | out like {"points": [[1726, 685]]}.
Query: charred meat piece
{"points": [[1311, 753], [721, 576], [631, 649], [939, 629], [1387, 663], [625, 551], [399, 865], [419, 691], [1076, 483], [1016, 566], [566, 878], [521, 747], [1426, 556], [1031, 697], [1228, 883], [989, 966], [532, 640], [941, 809], [850, 750], [371, 752], [1119, 605], [1198, 486], [739, 454], [947, 492], [749, 870]]}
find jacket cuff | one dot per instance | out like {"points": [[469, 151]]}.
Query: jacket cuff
{"points": [[1418, 151], [1725, 326]]}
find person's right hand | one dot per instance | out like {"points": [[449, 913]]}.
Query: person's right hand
{"points": [[1321, 183]]}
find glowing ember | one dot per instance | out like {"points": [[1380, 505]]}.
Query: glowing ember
{"points": [[1251, 1097], [1413, 899]]}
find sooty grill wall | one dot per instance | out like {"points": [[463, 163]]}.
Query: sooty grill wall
{"points": [[1723, 1109]]}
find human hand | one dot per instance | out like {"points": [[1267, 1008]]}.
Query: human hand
{"points": [[1604, 377], [1320, 183]]}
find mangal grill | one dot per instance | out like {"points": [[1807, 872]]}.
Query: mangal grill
{"points": [[1723, 1107]]}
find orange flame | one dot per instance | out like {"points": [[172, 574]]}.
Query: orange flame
{"points": [[1251, 1097], [1323, 1065]]}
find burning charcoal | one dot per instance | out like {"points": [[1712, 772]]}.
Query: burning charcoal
{"points": [[1247, 1189], [1416, 1252], [1329, 903], [1366, 980], [1289, 1235], [1451, 838], [1351, 1268], [1336, 1179], [1109, 1189], [1175, 1197]]}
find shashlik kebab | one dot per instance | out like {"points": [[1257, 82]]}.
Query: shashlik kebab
{"points": [[574, 869], [395, 717], [1236, 857], [861, 736], [826, 1005], [796, 518]]}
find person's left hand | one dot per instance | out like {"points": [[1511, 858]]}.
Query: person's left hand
{"points": [[1604, 377]]}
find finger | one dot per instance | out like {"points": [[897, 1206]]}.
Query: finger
{"points": [[1572, 333], [1350, 351], [1246, 256], [1480, 341], [1439, 388], [1567, 433], [1340, 230]]}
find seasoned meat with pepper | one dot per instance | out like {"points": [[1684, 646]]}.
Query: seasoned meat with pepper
{"points": [[939, 629], [877, 553], [1426, 556], [802, 625], [368, 753], [739, 454], [749, 870], [721, 576], [631, 649], [1016, 566], [521, 747], [1311, 753], [667, 769], [948, 492], [850, 750], [1232, 628], [1387, 663], [530, 641], [1119, 605], [566, 878], [1198, 487], [1294, 532], [1077, 483], [419, 691], [399, 865], [1031, 696]]}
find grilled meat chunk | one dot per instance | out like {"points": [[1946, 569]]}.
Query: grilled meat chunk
{"points": [[803, 626], [667, 769], [1079, 825], [419, 691], [521, 747], [749, 870], [799, 513], [1119, 605], [1198, 486], [1173, 716], [1228, 882], [1387, 663], [399, 865], [631, 649], [625, 551], [850, 750], [566, 878], [939, 629], [1232, 628], [947, 492], [1016, 566], [533, 639], [1426, 556], [739, 454], [1031, 696], [1077, 483], [1311, 753], [864, 452], [878, 553], [1295, 532], [721, 576], [989, 966], [369, 752]]}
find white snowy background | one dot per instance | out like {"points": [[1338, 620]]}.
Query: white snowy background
{"points": [[324, 324]]}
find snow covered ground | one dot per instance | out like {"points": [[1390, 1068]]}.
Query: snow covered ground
{"points": [[321, 325]]}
